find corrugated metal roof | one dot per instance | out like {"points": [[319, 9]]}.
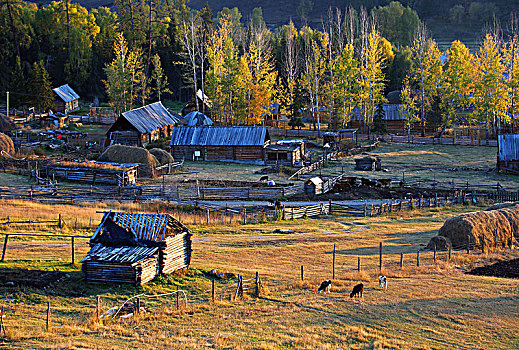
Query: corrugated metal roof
{"points": [[124, 254], [151, 117], [147, 227], [220, 136], [197, 118], [66, 93], [508, 147]]}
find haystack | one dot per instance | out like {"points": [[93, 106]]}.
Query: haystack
{"points": [[6, 124], [129, 154], [492, 225], [441, 243], [162, 156], [6, 144]]}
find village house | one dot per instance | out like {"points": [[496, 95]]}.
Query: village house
{"points": [[135, 248], [508, 153], [141, 126], [241, 144], [286, 152], [68, 100]]}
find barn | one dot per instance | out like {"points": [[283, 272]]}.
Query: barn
{"points": [[135, 248], [508, 153], [142, 126], [68, 99], [240, 144]]}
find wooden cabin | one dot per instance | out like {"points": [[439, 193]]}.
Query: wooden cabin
{"points": [[93, 172], [68, 99], [284, 154], [508, 153], [314, 186], [141, 126], [135, 248], [240, 144]]}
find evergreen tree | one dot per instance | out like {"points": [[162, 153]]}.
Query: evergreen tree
{"points": [[160, 81], [379, 124], [18, 85], [41, 87]]}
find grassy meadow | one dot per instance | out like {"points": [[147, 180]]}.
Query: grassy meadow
{"points": [[433, 306]]}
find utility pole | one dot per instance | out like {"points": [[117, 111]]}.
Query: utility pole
{"points": [[7, 109]]}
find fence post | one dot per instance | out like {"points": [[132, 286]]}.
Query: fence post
{"points": [[207, 212], [401, 260], [177, 301], [98, 302], [450, 250], [380, 257], [434, 256], [59, 221], [137, 305], [333, 263], [257, 284], [329, 206], [244, 216], [418, 257], [5, 247], [72, 250], [2, 327], [302, 273], [48, 316], [212, 290], [358, 264], [365, 209]]}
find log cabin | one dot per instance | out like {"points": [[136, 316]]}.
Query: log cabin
{"points": [[68, 99], [135, 248]]}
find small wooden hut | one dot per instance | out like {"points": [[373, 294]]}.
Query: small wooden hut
{"points": [[508, 153], [135, 248], [314, 186], [141, 126], [121, 174], [284, 154], [68, 100]]}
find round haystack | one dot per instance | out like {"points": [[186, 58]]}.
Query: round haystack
{"points": [[442, 243], [162, 156], [130, 154], [6, 144], [501, 205], [6, 124], [492, 225]]}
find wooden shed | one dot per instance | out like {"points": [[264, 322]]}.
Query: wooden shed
{"points": [[135, 248], [314, 186], [241, 144], [284, 154], [508, 152], [92, 172], [68, 99], [141, 126]]}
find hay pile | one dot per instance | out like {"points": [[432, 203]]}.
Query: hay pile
{"points": [[6, 124], [441, 243], [162, 156], [6, 144], [493, 225], [129, 154]]}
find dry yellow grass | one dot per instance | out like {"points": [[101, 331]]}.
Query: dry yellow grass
{"points": [[434, 306]]}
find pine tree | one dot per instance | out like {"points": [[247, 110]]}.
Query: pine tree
{"points": [[18, 85], [379, 124], [160, 81], [41, 87]]}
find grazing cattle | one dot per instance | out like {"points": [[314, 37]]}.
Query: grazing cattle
{"points": [[325, 286], [382, 282], [357, 290], [342, 186], [352, 180], [386, 183]]}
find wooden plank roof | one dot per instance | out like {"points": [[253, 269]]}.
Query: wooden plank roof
{"points": [[147, 227], [151, 117], [220, 136], [126, 254], [66, 93]]}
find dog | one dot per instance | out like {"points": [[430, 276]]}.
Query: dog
{"points": [[325, 286], [382, 282], [357, 290]]}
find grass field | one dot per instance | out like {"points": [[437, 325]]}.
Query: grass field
{"points": [[434, 306]]}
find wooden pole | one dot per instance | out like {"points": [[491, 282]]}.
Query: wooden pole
{"points": [[207, 211], [257, 284], [5, 247], [72, 250], [483, 244], [358, 264], [418, 257], [98, 302], [137, 305], [380, 257], [450, 250], [401, 260], [333, 263], [212, 290], [48, 316], [434, 256], [2, 327], [302, 273], [59, 221], [177, 301]]}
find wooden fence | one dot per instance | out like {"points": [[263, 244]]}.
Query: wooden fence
{"points": [[307, 211]]}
